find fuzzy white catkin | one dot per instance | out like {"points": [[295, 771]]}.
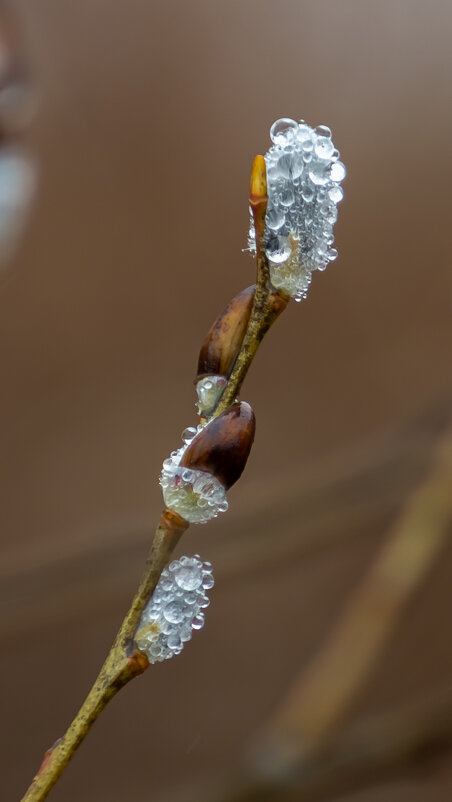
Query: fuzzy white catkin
{"points": [[197, 496], [175, 609], [303, 179]]}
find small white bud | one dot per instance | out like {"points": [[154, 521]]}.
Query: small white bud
{"points": [[303, 176], [195, 495], [175, 608]]}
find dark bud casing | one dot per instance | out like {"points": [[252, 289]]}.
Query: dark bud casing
{"points": [[223, 341], [223, 446]]}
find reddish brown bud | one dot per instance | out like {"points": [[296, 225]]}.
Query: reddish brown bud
{"points": [[223, 446], [223, 341]]}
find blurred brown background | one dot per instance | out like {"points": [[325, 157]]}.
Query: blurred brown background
{"points": [[149, 116]]}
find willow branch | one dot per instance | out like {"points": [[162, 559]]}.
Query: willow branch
{"points": [[123, 663]]}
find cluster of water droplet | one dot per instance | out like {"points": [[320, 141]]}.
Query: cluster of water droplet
{"points": [[175, 608], [303, 177], [195, 495], [209, 389]]}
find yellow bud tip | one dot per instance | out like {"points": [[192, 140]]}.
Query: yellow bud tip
{"points": [[258, 183]]}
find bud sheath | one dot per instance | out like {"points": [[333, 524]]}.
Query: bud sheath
{"points": [[219, 350], [223, 446]]}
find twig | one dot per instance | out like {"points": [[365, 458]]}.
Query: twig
{"points": [[317, 705], [368, 753], [123, 663]]}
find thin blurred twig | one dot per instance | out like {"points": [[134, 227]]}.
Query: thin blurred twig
{"points": [[365, 754], [317, 704]]}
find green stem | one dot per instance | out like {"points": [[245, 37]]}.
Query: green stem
{"points": [[122, 663]]}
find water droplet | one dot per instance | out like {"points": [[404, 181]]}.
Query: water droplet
{"points": [[323, 130], [198, 621], [324, 147], [185, 632], [173, 612], [304, 134], [189, 577], [208, 581], [174, 641], [275, 219], [337, 172], [332, 254], [204, 602], [297, 166], [319, 174], [284, 167], [307, 193], [287, 196], [282, 129], [166, 626], [336, 194], [278, 249], [188, 434]]}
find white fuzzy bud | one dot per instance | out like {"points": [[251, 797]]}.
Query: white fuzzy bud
{"points": [[303, 177], [197, 496], [175, 608]]}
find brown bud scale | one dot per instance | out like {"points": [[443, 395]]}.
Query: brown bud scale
{"points": [[223, 341], [223, 447]]}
